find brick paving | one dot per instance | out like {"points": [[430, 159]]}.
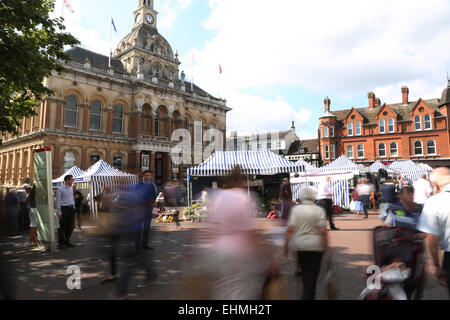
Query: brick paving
{"points": [[42, 275]]}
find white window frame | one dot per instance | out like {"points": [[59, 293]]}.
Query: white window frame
{"points": [[347, 153], [118, 105], [425, 122], [332, 131], [326, 130], [363, 151], [389, 125], [382, 124], [385, 151], [396, 148], [350, 129], [333, 152], [327, 152], [66, 168], [415, 123], [100, 115], [434, 146], [358, 125], [421, 148], [76, 112]]}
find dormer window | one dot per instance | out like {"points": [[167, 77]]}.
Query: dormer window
{"points": [[358, 128], [417, 123], [391, 125], [428, 122], [382, 126]]}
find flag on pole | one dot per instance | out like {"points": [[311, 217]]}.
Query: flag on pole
{"points": [[113, 24], [68, 6], [220, 69]]}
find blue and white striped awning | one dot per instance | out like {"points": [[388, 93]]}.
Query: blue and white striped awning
{"points": [[74, 171], [409, 169], [341, 164], [101, 169], [377, 166], [266, 162], [308, 167], [425, 166]]}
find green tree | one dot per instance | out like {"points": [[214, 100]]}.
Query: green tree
{"points": [[30, 43]]}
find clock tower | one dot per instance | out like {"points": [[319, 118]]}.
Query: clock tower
{"points": [[145, 14]]}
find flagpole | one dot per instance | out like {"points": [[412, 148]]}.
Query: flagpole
{"points": [[110, 42]]}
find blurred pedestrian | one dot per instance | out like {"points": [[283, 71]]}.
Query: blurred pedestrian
{"points": [[78, 196], [23, 211], [32, 212], [435, 222], [325, 197], [364, 190], [357, 200], [307, 235], [65, 205], [146, 192], [388, 195], [12, 211], [423, 189], [285, 199]]}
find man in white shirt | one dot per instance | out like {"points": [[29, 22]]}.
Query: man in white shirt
{"points": [[326, 200], [435, 222], [422, 190], [364, 190]]}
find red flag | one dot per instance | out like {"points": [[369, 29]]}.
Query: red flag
{"points": [[220, 69], [67, 4]]}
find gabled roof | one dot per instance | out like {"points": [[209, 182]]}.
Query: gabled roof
{"points": [[80, 55]]}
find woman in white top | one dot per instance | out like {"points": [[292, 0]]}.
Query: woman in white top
{"points": [[307, 235]]}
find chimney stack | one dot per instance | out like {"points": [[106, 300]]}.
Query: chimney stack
{"points": [[327, 102], [405, 95], [293, 127], [377, 102], [371, 96]]}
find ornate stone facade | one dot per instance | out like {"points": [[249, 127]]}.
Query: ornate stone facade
{"points": [[122, 109]]}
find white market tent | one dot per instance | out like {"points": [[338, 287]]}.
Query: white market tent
{"points": [[425, 166], [308, 167], [408, 169], [374, 168], [261, 163], [74, 171], [102, 175], [341, 164]]}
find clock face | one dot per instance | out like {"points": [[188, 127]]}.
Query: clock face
{"points": [[138, 18], [150, 18]]}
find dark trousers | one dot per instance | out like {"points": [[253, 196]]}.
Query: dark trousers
{"points": [[66, 224], [131, 261], [114, 241], [285, 209], [447, 270], [310, 262], [79, 211], [365, 202], [143, 235], [327, 205], [24, 219]]}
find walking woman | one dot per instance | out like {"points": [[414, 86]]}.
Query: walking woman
{"points": [[307, 235]]}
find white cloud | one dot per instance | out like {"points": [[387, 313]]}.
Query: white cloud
{"points": [[337, 48]]}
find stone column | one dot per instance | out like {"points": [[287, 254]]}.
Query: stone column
{"points": [[169, 167], [48, 113], [2, 156], [84, 164], [56, 160], [13, 167], [138, 125], [86, 123], [20, 167], [138, 162], [153, 163], [109, 121], [59, 115], [23, 125], [29, 162], [108, 156], [154, 126]]}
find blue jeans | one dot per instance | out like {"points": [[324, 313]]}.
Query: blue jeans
{"points": [[144, 228], [365, 201]]}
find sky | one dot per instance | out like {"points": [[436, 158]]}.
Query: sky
{"points": [[280, 59]]}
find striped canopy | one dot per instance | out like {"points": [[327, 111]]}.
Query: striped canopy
{"points": [[377, 166], [99, 170], [425, 166], [251, 162], [409, 169], [342, 164], [74, 171]]}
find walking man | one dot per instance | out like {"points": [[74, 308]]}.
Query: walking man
{"points": [[422, 189], [365, 189], [78, 204], [326, 200], [285, 198], [435, 222], [147, 194], [65, 206]]}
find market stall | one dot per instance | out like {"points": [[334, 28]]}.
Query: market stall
{"points": [[408, 169], [74, 171]]}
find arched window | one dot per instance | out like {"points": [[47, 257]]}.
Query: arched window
{"points": [[350, 152], [70, 159], [326, 132], [212, 136], [431, 147], [428, 125], [393, 148], [157, 124], [71, 111], [418, 150], [417, 123], [358, 128], [382, 126], [350, 129], [118, 118], [360, 150], [118, 162], [333, 152], [382, 150], [96, 115], [391, 125], [332, 132]]}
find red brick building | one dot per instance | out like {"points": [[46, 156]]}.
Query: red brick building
{"points": [[417, 130]]}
